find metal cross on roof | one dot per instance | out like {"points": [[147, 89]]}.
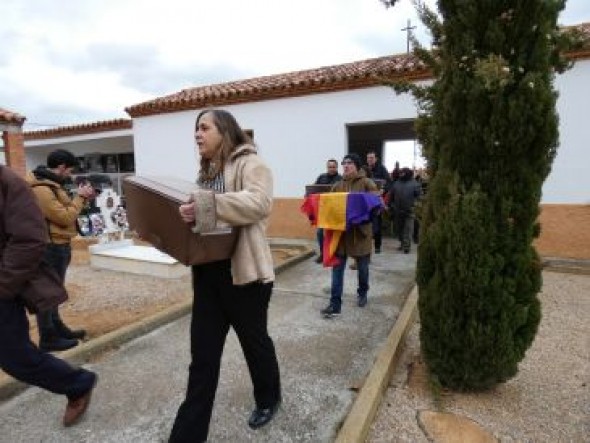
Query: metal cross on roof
{"points": [[408, 30]]}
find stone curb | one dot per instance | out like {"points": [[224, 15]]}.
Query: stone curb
{"points": [[84, 352], [566, 265], [357, 423], [293, 260]]}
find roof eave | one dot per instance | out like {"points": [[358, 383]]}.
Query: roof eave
{"points": [[151, 108]]}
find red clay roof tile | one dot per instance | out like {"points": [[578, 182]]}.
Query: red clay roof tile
{"points": [[312, 81], [359, 74], [85, 128], [7, 116]]}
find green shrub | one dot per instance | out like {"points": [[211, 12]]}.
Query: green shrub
{"points": [[489, 131]]}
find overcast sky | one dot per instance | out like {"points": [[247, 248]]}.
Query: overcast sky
{"points": [[76, 61]]}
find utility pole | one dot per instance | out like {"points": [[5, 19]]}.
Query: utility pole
{"points": [[408, 29]]}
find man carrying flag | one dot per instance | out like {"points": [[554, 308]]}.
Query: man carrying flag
{"points": [[357, 240]]}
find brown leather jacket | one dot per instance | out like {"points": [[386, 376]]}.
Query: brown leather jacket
{"points": [[22, 234]]}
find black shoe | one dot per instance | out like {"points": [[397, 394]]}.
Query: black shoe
{"points": [[65, 332], [330, 312], [406, 251], [319, 259], [260, 417], [361, 301], [56, 344]]}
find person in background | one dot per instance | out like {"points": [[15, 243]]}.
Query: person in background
{"points": [[236, 188], [22, 245], [376, 171], [61, 214], [402, 198], [355, 242], [395, 173], [330, 177]]}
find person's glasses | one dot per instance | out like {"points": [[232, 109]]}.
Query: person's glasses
{"points": [[347, 162]]}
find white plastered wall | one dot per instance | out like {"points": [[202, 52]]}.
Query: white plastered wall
{"points": [[297, 135], [569, 181], [294, 135], [107, 142]]}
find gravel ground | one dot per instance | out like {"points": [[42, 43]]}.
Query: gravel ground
{"points": [[549, 399]]}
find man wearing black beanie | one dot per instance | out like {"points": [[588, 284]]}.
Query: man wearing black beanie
{"points": [[355, 158]]}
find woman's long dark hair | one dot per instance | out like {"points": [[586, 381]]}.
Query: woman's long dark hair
{"points": [[232, 136]]}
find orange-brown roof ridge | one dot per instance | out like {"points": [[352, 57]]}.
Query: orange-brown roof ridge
{"points": [[310, 81], [83, 128], [358, 74], [7, 116]]}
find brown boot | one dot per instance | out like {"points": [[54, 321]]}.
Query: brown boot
{"points": [[75, 409]]}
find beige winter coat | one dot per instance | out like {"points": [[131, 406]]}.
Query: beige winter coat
{"points": [[246, 204]]}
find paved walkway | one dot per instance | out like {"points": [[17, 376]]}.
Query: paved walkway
{"points": [[322, 363]]}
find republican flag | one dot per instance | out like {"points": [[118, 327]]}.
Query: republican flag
{"points": [[337, 212]]}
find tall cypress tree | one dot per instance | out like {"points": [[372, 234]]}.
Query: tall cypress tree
{"points": [[489, 129]]}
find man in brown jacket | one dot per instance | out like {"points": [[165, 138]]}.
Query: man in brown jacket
{"points": [[356, 242], [61, 213], [22, 243]]}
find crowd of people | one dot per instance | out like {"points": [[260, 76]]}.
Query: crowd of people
{"points": [[38, 222], [399, 190]]}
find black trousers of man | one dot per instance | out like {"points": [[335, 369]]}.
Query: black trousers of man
{"points": [[59, 257], [377, 232], [21, 359], [218, 304]]}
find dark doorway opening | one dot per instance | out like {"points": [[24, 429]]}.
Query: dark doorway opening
{"points": [[365, 137]]}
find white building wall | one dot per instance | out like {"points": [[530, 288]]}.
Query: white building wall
{"points": [[569, 181], [164, 145], [297, 135], [107, 142], [294, 135]]}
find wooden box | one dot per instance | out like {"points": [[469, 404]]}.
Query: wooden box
{"points": [[152, 211]]}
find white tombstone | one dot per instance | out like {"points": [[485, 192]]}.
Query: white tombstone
{"points": [[122, 255], [108, 202]]}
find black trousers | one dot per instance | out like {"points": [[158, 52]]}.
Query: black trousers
{"points": [[21, 359], [377, 230], [59, 257], [218, 304]]}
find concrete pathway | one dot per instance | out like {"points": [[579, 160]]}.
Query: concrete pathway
{"points": [[322, 363]]}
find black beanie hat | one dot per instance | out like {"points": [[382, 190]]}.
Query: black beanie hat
{"points": [[355, 159]]}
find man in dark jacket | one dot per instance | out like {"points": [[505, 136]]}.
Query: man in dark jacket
{"points": [[402, 199], [22, 244], [61, 213], [327, 178], [376, 171]]}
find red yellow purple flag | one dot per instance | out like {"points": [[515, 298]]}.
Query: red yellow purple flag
{"points": [[335, 212]]}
